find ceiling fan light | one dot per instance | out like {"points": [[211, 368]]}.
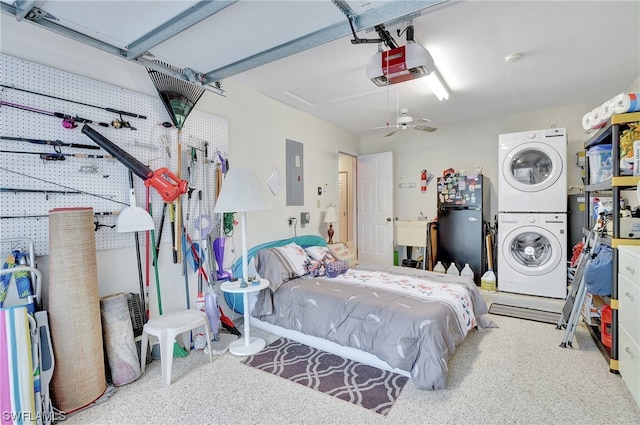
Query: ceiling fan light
{"points": [[513, 57], [436, 86]]}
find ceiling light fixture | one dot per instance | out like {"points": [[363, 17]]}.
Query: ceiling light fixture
{"points": [[513, 57], [436, 85]]}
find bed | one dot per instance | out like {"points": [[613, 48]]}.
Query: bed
{"points": [[404, 320]]}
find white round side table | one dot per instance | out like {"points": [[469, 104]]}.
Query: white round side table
{"points": [[249, 345]]}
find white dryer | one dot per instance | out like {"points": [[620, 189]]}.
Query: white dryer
{"points": [[533, 171], [532, 254]]}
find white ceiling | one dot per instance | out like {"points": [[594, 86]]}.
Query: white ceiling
{"points": [[300, 52]]}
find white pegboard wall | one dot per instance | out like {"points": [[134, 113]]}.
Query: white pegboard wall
{"points": [[106, 178]]}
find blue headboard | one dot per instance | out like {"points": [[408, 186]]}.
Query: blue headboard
{"points": [[235, 301], [304, 241]]}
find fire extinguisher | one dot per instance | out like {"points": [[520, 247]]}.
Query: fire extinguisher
{"points": [[423, 181]]}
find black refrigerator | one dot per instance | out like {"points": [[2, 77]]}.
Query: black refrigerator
{"points": [[463, 213]]}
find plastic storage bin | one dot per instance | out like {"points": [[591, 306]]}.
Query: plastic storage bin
{"points": [[600, 166]]}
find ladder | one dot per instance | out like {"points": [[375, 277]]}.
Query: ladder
{"points": [[570, 314]]}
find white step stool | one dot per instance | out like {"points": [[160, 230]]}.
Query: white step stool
{"points": [[166, 328]]}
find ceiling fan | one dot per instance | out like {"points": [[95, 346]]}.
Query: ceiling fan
{"points": [[405, 121]]}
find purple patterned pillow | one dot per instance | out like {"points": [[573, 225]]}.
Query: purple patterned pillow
{"points": [[317, 268], [335, 268]]}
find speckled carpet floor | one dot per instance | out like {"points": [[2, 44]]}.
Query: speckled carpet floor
{"points": [[513, 374]]}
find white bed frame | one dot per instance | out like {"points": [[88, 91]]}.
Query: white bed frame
{"points": [[328, 346]]}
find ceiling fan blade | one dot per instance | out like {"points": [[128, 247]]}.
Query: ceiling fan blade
{"points": [[385, 126], [414, 123], [392, 133], [425, 128]]}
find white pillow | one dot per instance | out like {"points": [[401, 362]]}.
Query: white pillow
{"points": [[317, 252], [296, 256]]}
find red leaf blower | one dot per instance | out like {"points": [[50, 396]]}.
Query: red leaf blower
{"points": [[168, 185]]}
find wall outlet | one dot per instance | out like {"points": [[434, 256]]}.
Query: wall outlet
{"points": [[291, 221]]}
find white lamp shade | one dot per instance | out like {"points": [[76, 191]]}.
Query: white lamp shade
{"points": [[241, 191], [331, 214]]}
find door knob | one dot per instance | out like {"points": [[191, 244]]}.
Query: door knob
{"points": [[388, 218]]}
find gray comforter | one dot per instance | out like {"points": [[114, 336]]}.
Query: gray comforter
{"points": [[417, 334]]}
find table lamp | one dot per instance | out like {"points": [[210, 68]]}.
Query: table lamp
{"points": [[331, 216], [241, 192]]}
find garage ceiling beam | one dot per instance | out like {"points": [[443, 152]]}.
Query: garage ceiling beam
{"points": [[44, 20], [391, 11], [23, 7], [189, 17]]}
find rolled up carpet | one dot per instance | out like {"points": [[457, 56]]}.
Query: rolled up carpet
{"points": [[119, 341], [74, 310]]}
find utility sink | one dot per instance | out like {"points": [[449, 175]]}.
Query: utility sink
{"points": [[412, 232]]}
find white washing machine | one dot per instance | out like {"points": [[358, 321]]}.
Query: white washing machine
{"points": [[533, 171], [532, 254]]}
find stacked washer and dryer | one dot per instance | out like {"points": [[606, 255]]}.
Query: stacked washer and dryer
{"points": [[532, 219]]}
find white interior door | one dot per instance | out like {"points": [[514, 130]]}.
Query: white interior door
{"points": [[375, 208], [343, 206]]}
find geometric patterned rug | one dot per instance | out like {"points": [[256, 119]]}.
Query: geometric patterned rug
{"points": [[357, 383]]}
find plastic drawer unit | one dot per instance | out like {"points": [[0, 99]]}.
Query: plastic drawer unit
{"points": [[629, 320]]}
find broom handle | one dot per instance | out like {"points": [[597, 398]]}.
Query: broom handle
{"points": [[179, 231], [155, 268], [489, 240]]}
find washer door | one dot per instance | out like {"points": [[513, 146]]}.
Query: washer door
{"points": [[532, 250], [532, 167]]}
